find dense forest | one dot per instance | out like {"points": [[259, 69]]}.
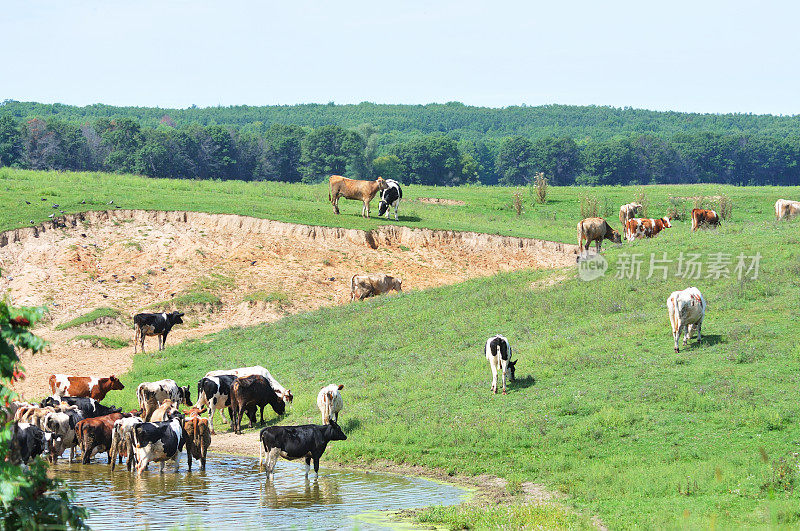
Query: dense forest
{"points": [[441, 144]]}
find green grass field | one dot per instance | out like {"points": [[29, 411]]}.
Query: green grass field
{"points": [[603, 410]]}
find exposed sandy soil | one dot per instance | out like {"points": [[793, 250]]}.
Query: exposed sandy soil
{"points": [[440, 201], [130, 259]]}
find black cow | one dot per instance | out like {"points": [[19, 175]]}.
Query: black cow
{"points": [[154, 324], [294, 442], [250, 392], [158, 441], [89, 407], [216, 392], [390, 197], [27, 441]]}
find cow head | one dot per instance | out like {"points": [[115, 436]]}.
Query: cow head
{"points": [[397, 284], [288, 396], [175, 317], [383, 206], [665, 221], [615, 236], [185, 395], [511, 369], [334, 433], [50, 401], [381, 183], [341, 386], [116, 385]]}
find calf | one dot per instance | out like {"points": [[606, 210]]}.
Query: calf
{"points": [[363, 286], [293, 442], [281, 391], [151, 394], [595, 230], [354, 189], [198, 439], [686, 311], [498, 352], [159, 442], [786, 209], [645, 228], [122, 442], [26, 442], [390, 197], [88, 407], [701, 217], [247, 394], [154, 324], [330, 403], [629, 211], [83, 386], [216, 392], [95, 434]]}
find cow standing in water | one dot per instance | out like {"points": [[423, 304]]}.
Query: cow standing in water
{"points": [[154, 324], [498, 352]]}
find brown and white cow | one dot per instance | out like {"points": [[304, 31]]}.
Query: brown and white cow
{"points": [[629, 211], [152, 394], [198, 438], [785, 209], [363, 286], [702, 217], [645, 227], [83, 386], [330, 403], [122, 441], [354, 189], [595, 230]]}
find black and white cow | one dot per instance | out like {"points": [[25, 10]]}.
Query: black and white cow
{"points": [[88, 407], [216, 392], [390, 198], [154, 324], [158, 442], [498, 352], [27, 441], [151, 394], [62, 426], [293, 442]]}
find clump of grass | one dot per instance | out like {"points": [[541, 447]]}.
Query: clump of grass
{"points": [[725, 207], [698, 202], [101, 341], [784, 475], [90, 317], [186, 300], [643, 200], [590, 207], [214, 282], [677, 209], [279, 298], [516, 202], [135, 245], [509, 516], [539, 185]]}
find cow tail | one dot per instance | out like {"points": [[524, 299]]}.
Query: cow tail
{"points": [[580, 237], [140, 398], [353, 284], [197, 438], [137, 333]]}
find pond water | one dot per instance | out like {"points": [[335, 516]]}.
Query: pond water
{"points": [[233, 492]]}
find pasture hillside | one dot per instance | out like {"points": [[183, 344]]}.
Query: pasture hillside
{"points": [[603, 411]]}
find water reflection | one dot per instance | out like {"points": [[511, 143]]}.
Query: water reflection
{"points": [[232, 489]]}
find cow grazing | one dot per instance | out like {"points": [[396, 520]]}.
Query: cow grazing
{"points": [[354, 189], [498, 352], [159, 442], [293, 442], [83, 386], [390, 197], [330, 403], [247, 394], [786, 209], [645, 227], [165, 411], [595, 230], [702, 217], [363, 286], [198, 439], [27, 441], [629, 211], [152, 394], [95, 434], [216, 392], [122, 441], [686, 311], [154, 324], [284, 393], [88, 407]]}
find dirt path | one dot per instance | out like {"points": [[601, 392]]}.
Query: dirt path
{"points": [[260, 270]]}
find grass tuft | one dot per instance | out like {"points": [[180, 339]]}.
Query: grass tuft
{"points": [[90, 317]]}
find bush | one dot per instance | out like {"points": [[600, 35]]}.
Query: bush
{"points": [[643, 200], [516, 202], [590, 207], [677, 209], [540, 188], [725, 207]]}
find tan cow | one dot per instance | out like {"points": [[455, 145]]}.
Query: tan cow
{"points": [[164, 412], [595, 230], [363, 286], [629, 211], [785, 209], [354, 189]]}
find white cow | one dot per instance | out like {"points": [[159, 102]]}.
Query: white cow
{"points": [[686, 311], [330, 403], [785, 209], [498, 352], [122, 441]]}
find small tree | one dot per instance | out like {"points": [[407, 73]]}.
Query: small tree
{"points": [[540, 183]]}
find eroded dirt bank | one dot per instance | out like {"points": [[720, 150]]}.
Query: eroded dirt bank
{"points": [[247, 270]]}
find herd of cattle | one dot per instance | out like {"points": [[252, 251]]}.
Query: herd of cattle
{"points": [[73, 418]]}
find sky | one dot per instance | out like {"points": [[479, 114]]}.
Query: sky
{"points": [[698, 56]]}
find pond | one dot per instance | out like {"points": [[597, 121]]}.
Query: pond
{"points": [[233, 492]]}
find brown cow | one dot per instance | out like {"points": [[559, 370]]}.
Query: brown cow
{"points": [[785, 209], [645, 227], [198, 439], [629, 211], [248, 393], [595, 230], [702, 216], [96, 434], [363, 286], [83, 386], [354, 189]]}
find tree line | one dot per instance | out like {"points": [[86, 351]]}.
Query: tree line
{"points": [[293, 153]]}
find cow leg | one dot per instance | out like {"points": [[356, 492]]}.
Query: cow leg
{"points": [[395, 210], [164, 341], [178, 461], [316, 464], [212, 409], [161, 467], [262, 415], [142, 336], [272, 461], [699, 325], [676, 333], [308, 465], [335, 203], [494, 378], [188, 458]]}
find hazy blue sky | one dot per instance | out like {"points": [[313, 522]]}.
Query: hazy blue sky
{"points": [[687, 56]]}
